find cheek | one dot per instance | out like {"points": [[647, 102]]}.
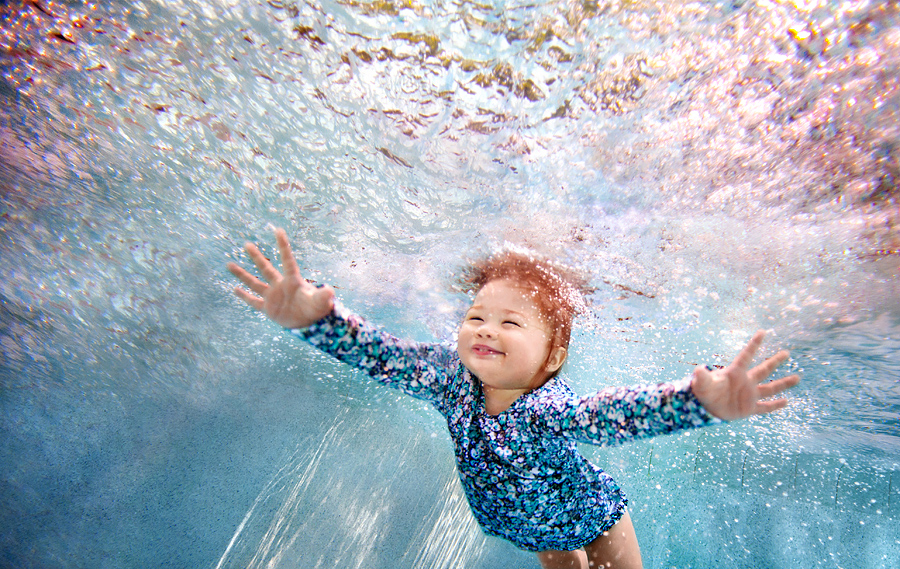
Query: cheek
{"points": [[463, 337], [543, 339], [539, 346], [460, 342]]}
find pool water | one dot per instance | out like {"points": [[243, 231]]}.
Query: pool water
{"points": [[715, 167]]}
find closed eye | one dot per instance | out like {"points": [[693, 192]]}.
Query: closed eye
{"points": [[514, 323]]}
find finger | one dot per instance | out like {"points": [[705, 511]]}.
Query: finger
{"points": [[765, 369], [777, 386], [744, 358], [269, 272], [254, 301], [288, 263], [763, 407], [251, 281]]}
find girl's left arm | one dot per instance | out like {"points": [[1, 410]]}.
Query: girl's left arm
{"points": [[739, 391], [621, 414]]}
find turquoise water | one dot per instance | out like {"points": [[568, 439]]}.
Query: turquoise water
{"points": [[715, 167]]}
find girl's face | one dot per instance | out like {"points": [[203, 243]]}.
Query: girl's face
{"points": [[504, 340]]}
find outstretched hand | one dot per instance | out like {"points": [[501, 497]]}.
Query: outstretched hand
{"points": [[736, 392], [288, 299]]}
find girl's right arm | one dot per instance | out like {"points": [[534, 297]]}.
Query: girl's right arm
{"points": [[288, 299], [310, 312], [422, 370]]}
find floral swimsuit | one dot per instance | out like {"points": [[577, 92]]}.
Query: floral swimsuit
{"points": [[521, 470]]}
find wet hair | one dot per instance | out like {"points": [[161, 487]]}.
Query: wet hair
{"points": [[558, 292]]}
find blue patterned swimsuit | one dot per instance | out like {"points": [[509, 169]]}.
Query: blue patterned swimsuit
{"points": [[521, 470]]}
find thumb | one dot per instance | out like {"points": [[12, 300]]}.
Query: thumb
{"points": [[703, 384], [701, 376], [323, 299]]}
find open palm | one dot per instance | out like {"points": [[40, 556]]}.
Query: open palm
{"points": [[735, 392], [288, 299]]}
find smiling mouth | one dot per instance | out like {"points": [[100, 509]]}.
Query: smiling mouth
{"points": [[482, 350]]}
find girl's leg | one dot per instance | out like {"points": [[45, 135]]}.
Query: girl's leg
{"points": [[563, 559], [616, 548]]}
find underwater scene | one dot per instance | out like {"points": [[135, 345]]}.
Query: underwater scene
{"points": [[714, 167]]}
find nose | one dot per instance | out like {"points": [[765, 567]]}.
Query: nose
{"points": [[485, 330]]}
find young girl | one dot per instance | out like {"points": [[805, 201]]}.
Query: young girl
{"points": [[514, 422]]}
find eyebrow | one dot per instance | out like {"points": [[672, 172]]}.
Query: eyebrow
{"points": [[504, 310]]}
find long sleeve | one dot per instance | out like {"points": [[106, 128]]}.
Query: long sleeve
{"points": [[621, 414], [422, 370]]}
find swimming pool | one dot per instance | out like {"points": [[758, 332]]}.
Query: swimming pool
{"points": [[716, 167]]}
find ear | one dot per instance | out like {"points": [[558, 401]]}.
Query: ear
{"points": [[556, 359]]}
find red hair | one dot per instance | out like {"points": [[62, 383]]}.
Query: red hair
{"points": [[559, 292]]}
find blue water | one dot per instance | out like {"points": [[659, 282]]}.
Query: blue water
{"points": [[715, 167]]}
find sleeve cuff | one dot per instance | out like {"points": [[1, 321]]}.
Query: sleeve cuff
{"points": [[338, 312], [684, 386]]}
